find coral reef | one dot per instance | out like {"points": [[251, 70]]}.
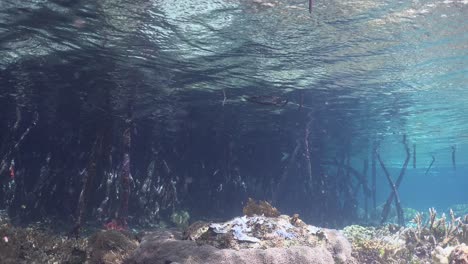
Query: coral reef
{"points": [[260, 232], [430, 239], [196, 230], [459, 255], [37, 244], [255, 239], [377, 245], [262, 239], [436, 231], [441, 255], [110, 247], [261, 208], [460, 209], [163, 247]]}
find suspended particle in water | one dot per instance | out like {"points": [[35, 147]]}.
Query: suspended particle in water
{"points": [[79, 23]]}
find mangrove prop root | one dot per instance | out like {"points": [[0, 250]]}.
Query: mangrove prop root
{"points": [[301, 100], [453, 158], [4, 164], [430, 165], [386, 208], [224, 97], [125, 179], [359, 176], [283, 178], [399, 179], [307, 151], [364, 174], [374, 178], [88, 174]]}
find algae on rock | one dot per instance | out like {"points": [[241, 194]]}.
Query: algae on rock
{"points": [[261, 208]]}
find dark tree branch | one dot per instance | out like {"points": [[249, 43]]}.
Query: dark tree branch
{"points": [[386, 208], [364, 173], [353, 171], [397, 184], [374, 177], [430, 165], [284, 175], [453, 157]]}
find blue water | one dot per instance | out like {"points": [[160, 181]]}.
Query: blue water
{"points": [[441, 188], [197, 85]]}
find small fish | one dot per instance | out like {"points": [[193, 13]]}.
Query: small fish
{"points": [[285, 156]]}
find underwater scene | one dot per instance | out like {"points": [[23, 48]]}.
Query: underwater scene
{"points": [[233, 131]]}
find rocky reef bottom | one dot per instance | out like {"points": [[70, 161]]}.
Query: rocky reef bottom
{"points": [[272, 239]]}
